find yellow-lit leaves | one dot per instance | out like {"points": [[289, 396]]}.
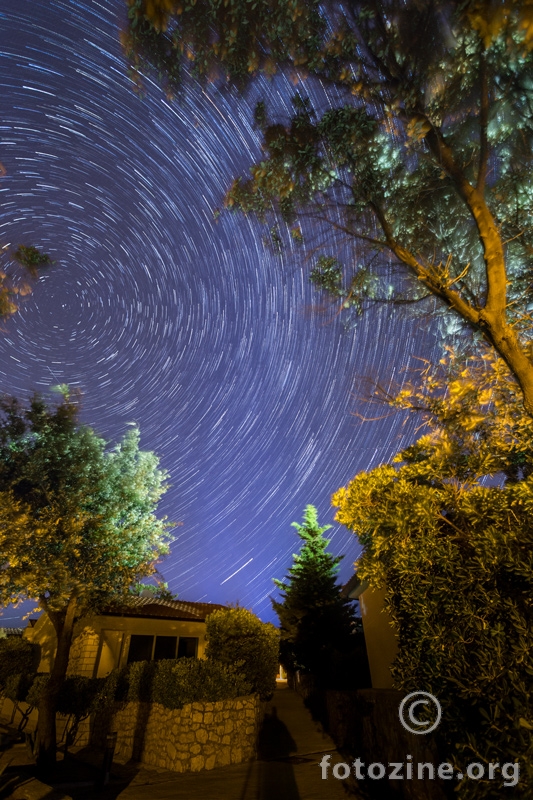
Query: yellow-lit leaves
{"points": [[417, 128]]}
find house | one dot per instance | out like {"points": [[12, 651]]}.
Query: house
{"points": [[146, 629], [380, 636]]}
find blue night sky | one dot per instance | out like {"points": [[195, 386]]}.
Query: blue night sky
{"points": [[162, 315]]}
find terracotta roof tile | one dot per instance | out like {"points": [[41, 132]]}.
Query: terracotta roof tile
{"points": [[166, 609]]}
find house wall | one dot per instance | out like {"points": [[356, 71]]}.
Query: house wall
{"points": [[380, 637], [101, 643]]}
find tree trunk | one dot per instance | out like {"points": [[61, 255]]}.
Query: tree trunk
{"points": [[46, 726]]}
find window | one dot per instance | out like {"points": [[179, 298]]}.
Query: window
{"points": [[165, 647], [144, 648], [187, 647], [140, 648]]}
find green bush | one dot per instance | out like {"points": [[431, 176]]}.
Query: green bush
{"points": [[17, 657], [79, 696], [36, 689], [175, 682], [457, 564], [17, 686], [236, 635]]}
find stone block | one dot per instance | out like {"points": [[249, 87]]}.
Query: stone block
{"points": [[197, 763], [202, 735], [236, 755], [171, 750], [223, 757]]}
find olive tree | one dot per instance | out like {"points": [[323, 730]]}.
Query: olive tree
{"points": [[77, 524]]}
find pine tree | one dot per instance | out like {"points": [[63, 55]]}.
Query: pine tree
{"points": [[315, 620]]}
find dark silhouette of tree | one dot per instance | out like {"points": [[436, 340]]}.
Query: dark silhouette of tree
{"points": [[316, 621]]}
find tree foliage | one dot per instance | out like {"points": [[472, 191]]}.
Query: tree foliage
{"points": [[419, 167], [236, 636], [455, 555], [11, 290], [316, 622], [17, 657], [77, 522]]}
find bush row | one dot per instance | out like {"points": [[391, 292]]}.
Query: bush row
{"points": [[172, 683]]}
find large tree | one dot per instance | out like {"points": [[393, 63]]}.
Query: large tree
{"points": [[77, 524], [418, 164], [316, 621]]}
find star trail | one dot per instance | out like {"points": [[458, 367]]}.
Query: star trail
{"points": [[170, 316]]}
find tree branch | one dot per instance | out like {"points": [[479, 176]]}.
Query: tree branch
{"points": [[483, 123]]}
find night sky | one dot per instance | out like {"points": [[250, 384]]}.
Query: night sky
{"points": [[162, 315]]}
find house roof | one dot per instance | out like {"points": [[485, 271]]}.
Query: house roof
{"points": [[354, 587], [163, 609], [12, 631]]}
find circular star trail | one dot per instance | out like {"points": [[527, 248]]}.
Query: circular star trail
{"points": [[170, 316]]}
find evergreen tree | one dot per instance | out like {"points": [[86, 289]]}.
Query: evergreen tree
{"points": [[315, 620]]}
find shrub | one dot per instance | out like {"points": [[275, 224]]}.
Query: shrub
{"points": [[79, 696], [17, 657], [236, 635], [17, 686], [36, 689], [174, 682], [457, 563]]}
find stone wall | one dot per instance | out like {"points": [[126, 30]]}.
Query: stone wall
{"points": [[83, 653], [195, 737]]}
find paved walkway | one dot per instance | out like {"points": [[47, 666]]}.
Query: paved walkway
{"points": [[291, 746]]}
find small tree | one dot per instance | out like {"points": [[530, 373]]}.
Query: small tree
{"points": [[316, 620], [77, 525], [237, 635]]}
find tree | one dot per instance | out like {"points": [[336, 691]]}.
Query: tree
{"points": [[77, 524], [236, 636], [418, 170], [455, 555], [315, 620], [11, 289], [31, 260]]}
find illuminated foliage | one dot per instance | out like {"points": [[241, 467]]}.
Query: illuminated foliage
{"points": [[418, 170], [455, 555], [77, 523], [11, 289], [237, 637]]}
